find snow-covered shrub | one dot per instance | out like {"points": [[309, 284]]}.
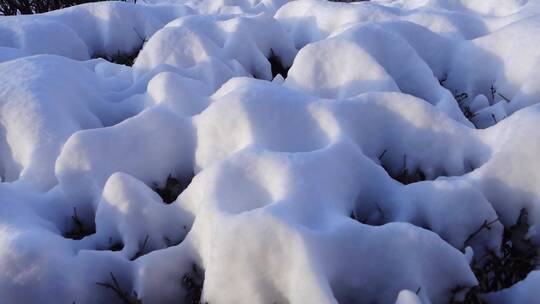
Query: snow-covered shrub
{"points": [[270, 151], [14, 7]]}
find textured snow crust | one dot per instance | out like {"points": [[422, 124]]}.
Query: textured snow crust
{"points": [[292, 195]]}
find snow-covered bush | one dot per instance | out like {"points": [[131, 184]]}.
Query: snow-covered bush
{"points": [[271, 151], [14, 7]]}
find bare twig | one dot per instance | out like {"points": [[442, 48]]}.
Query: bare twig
{"points": [[485, 225], [504, 97], [124, 296], [382, 154], [494, 118], [141, 249]]}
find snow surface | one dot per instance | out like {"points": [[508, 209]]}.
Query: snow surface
{"points": [[292, 199]]}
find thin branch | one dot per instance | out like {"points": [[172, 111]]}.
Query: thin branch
{"points": [[485, 225], [120, 293]]}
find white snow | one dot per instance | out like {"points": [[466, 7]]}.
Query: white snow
{"points": [[295, 196]]}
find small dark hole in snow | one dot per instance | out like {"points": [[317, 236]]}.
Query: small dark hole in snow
{"points": [[518, 257], [372, 218], [193, 282], [405, 175], [79, 229], [172, 188], [112, 245], [116, 247], [408, 177], [144, 247], [277, 65], [123, 58]]}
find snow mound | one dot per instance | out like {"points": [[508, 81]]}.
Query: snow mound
{"points": [[208, 47], [267, 151], [87, 30], [44, 100]]}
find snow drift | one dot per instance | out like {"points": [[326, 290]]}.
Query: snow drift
{"points": [[267, 151]]}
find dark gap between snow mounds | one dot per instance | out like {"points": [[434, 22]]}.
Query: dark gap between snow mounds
{"points": [[173, 187], [408, 174], [79, 229], [277, 65], [143, 249], [123, 58], [193, 282], [115, 246], [375, 218], [518, 257], [404, 175]]}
